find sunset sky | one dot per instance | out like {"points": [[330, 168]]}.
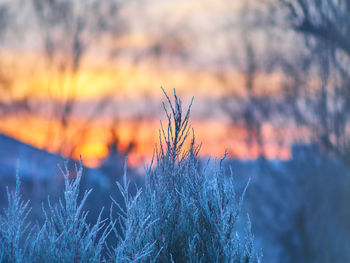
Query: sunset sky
{"points": [[192, 46]]}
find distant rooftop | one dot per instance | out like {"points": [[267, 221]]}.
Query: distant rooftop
{"points": [[32, 161]]}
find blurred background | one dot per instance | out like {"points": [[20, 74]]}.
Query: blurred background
{"points": [[271, 81]]}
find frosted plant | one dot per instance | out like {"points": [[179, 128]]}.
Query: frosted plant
{"points": [[65, 235], [184, 213], [15, 230], [134, 223], [195, 210]]}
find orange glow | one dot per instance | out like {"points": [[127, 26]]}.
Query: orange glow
{"points": [[98, 78], [93, 148]]}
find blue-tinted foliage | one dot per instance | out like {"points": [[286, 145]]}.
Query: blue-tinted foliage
{"points": [[184, 213]]}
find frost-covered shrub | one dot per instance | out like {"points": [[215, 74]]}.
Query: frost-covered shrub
{"points": [[134, 223], [66, 236], [191, 213], [15, 230], [184, 213]]}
